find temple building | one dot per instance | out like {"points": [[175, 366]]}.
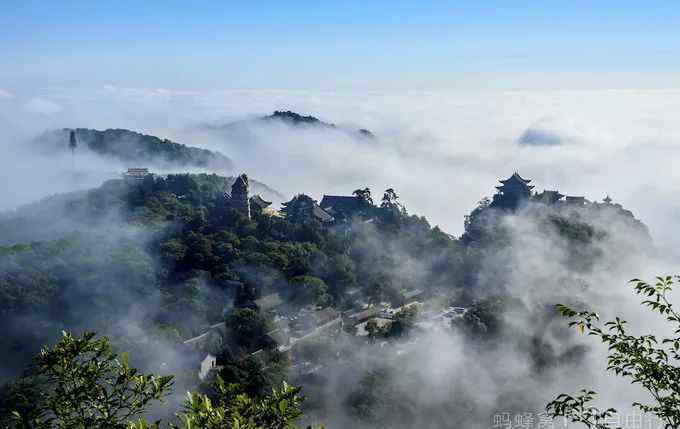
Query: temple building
{"points": [[258, 204], [512, 192], [577, 201], [303, 209], [550, 197], [238, 198], [138, 177]]}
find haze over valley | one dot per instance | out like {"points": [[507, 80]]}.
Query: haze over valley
{"points": [[365, 217]]}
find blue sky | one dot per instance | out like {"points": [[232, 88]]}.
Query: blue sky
{"points": [[364, 45]]}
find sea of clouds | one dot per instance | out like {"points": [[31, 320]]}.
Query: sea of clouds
{"points": [[442, 152]]}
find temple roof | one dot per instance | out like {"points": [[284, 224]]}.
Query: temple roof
{"points": [[137, 172], [241, 181], [576, 199], [515, 179], [259, 202], [342, 204], [321, 214], [515, 176]]}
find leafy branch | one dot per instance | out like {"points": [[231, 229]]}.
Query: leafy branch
{"points": [[645, 360]]}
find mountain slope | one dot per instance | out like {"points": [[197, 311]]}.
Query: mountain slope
{"points": [[135, 148]]}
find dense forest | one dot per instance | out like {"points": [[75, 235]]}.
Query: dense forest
{"points": [[153, 266]]}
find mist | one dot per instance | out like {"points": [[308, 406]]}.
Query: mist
{"points": [[611, 142], [442, 152]]}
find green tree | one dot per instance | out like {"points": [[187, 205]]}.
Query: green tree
{"points": [[233, 410], [86, 385], [646, 360], [309, 289], [390, 199], [248, 327], [364, 195], [373, 330], [391, 210], [254, 376], [340, 276], [403, 322], [81, 384]]}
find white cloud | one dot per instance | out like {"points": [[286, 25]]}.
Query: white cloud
{"points": [[43, 106], [6, 95], [441, 151]]}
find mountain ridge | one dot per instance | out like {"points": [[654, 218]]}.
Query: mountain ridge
{"points": [[132, 146], [295, 120]]}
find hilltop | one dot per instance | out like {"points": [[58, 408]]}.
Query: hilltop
{"points": [[135, 148], [197, 275], [294, 120]]}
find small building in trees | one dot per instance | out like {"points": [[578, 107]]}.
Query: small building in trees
{"points": [[354, 318], [512, 192], [208, 364], [136, 174], [139, 177], [576, 201], [238, 198]]}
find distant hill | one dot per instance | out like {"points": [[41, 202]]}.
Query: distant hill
{"points": [[294, 119], [137, 148]]}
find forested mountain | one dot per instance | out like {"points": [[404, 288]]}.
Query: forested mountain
{"points": [[295, 120], [55, 216], [151, 265], [135, 148]]}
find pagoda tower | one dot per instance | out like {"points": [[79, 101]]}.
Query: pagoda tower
{"points": [[512, 192], [238, 198]]}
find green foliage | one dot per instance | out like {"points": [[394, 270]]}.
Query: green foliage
{"points": [[484, 318], [252, 376], [80, 383], [371, 401], [248, 327], [404, 322], [645, 360], [340, 277], [233, 410], [86, 385], [373, 330], [309, 290], [62, 282], [364, 195]]}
